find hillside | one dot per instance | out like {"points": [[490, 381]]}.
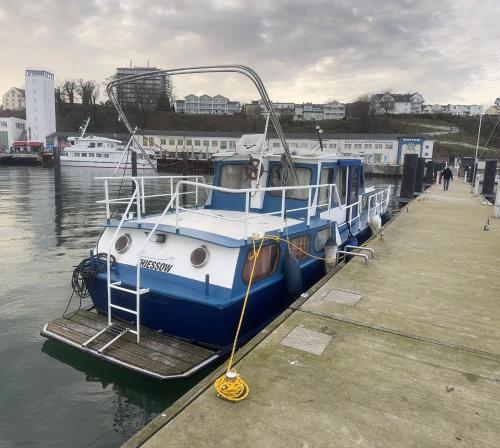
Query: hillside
{"points": [[453, 135]]}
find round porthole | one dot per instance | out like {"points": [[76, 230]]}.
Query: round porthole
{"points": [[199, 257], [123, 243]]}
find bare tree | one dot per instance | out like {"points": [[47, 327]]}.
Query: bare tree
{"points": [[88, 92], [70, 89], [360, 107], [59, 97], [382, 103]]}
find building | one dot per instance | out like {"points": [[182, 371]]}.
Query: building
{"points": [[332, 110], [11, 129], [396, 103], [205, 104], [381, 153], [40, 104], [375, 149], [470, 110], [14, 99], [144, 90], [494, 109]]}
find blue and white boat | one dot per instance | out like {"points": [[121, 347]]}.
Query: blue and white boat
{"points": [[184, 272]]}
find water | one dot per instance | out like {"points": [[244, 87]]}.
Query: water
{"points": [[52, 395]]}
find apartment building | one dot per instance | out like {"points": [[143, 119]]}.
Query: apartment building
{"points": [[40, 104], [208, 105], [14, 99], [150, 89], [467, 110], [396, 103], [332, 110]]}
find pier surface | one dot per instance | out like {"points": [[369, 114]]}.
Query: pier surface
{"points": [[404, 352]]}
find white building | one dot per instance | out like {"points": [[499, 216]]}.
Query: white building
{"points": [[14, 99], [11, 129], [205, 104], [375, 149], [40, 104], [467, 110], [332, 110], [395, 103]]}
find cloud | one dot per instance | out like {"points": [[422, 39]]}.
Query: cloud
{"points": [[305, 50]]}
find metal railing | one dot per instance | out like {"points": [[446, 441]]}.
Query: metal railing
{"points": [[140, 196], [282, 211], [378, 202]]}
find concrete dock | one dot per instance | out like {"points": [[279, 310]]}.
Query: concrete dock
{"points": [[404, 352]]}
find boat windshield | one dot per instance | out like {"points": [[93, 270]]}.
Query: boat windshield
{"points": [[233, 176], [304, 178]]}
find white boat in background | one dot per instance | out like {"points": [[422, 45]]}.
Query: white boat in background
{"points": [[102, 152]]}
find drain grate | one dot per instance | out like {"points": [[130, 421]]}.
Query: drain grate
{"points": [[307, 340], [342, 297]]}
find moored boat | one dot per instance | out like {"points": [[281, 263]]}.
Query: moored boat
{"points": [[185, 271]]}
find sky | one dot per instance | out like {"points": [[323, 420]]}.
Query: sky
{"points": [[304, 50]]}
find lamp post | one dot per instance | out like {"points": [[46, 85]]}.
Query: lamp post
{"points": [[477, 148], [319, 131]]}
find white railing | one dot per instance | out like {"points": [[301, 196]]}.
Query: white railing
{"points": [[282, 211], [140, 198], [378, 202]]}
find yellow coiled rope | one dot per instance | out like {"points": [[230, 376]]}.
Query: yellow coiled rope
{"points": [[231, 386]]}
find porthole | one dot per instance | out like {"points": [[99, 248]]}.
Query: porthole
{"points": [[199, 257], [123, 243]]}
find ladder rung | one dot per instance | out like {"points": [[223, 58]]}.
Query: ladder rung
{"points": [[127, 310], [131, 291], [88, 341], [104, 347]]}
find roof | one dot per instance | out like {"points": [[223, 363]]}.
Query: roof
{"points": [[236, 135]]}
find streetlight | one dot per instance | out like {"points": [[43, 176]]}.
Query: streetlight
{"points": [[319, 131]]}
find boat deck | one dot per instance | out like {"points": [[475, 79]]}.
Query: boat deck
{"points": [[157, 355]]}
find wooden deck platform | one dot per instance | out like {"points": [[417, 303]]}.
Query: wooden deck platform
{"points": [[157, 355]]}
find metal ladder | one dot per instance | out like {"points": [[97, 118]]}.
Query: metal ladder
{"points": [[116, 329]]}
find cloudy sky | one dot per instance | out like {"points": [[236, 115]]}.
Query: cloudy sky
{"points": [[305, 50]]}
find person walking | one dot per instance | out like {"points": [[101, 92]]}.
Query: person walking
{"points": [[446, 176]]}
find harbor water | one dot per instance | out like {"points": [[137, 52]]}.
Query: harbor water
{"points": [[52, 395]]}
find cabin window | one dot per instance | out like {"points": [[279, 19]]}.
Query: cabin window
{"points": [[206, 143], [340, 182], [320, 240], [304, 177], [264, 266], [326, 177], [163, 141], [151, 141], [76, 154], [299, 246], [215, 143], [98, 155], [84, 154], [91, 154], [377, 158], [180, 142], [92, 145], [72, 142], [233, 176], [99, 145], [189, 143], [197, 143], [106, 156]]}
